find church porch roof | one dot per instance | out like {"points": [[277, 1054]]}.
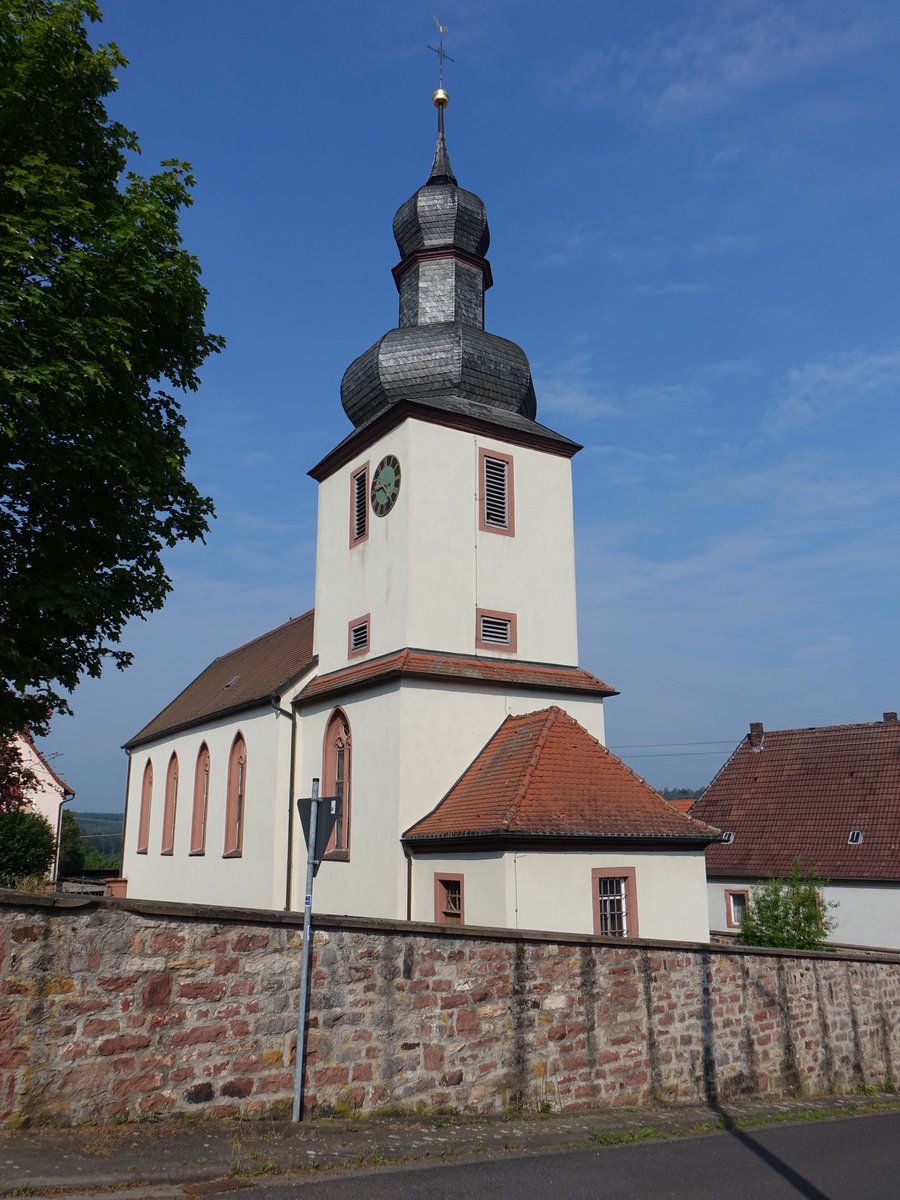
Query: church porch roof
{"points": [[543, 775]]}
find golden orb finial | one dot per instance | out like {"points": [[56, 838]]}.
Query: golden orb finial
{"points": [[440, 99]]}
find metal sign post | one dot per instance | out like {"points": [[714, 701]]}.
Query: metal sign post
{"points": [[317, 829]]}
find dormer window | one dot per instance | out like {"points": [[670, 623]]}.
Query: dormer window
{"points": [[855, 838]]}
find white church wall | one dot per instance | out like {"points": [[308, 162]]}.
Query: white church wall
{"points": [[552, 889], [425, 567], [256, 878], [366, 885]]}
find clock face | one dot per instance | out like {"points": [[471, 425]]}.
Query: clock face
{"points": [[385, 485]]}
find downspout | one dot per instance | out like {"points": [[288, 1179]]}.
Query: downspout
{"points": [[409, 862], [125, 814], [289, 857], [59, 813]]}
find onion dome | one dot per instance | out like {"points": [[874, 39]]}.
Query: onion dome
{"points": [[440, 348]]}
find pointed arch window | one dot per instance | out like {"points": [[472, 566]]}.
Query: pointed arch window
{"points": [[144, 819], [170, 806], [336, 765], [201, 801], [235, 799]]}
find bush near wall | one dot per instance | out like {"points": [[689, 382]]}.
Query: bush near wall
{"points": [[121, 1009]]}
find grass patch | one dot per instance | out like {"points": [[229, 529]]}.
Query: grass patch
{"points": [[620, 1137]]}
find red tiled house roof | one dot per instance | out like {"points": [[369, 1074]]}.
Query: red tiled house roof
{"points": [[241, 679], [798, 793], [544, 776], [426, 664]]}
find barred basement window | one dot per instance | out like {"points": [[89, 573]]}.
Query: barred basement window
{"points": [[359, 505], [448, 899], [495, 630], [495, 489], [358, 636], [614, 902]]}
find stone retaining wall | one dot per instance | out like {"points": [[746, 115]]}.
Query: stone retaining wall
{"points": [[125, 1009]]}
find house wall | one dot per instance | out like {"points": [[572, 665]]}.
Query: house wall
{"points": [[258, 875], [549, 890], [117, 1010], [46, 796], [425, 567], [866, 914]]}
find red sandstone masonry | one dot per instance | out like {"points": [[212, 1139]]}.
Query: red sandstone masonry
{"points": [[123, 1008]]}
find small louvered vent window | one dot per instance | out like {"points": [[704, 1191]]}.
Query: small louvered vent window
{"points": [[358, 636], [360, 502], [496, 631], [496, 493]]}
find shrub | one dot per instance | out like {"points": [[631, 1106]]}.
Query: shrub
{"points": [[27, 846], [790, 913]]}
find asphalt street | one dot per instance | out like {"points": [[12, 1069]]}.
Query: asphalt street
{"points": [[847, 1159]]}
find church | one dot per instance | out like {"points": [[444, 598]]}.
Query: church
{"points": [[435, 687]]}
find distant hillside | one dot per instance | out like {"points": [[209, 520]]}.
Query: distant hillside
{"points": [[103, 831]]}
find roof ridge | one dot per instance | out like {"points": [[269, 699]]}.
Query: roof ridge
{"points": [[827, 728], [260, 636], [549, 721]]}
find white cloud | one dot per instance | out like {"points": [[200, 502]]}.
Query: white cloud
{"points": [[818, 390]]}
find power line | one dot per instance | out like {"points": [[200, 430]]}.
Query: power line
{"points": [[658, 745]]}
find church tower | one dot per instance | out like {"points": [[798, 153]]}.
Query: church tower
{"points": [[445, 518], [445, 561]]}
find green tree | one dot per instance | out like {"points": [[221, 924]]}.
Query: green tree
{"points": [[27, 846], [71, 846], [791, 913], [101, 319]]}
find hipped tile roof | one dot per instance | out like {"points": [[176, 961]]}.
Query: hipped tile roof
{"points": [[799, 793], [544, 775], [427, 664], [241, 679]]}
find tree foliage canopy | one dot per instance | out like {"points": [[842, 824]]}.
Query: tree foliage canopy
{"points": [[71, 846], [101, 311], [791, 913]]}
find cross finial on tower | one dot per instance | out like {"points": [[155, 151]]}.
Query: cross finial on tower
{"points": [[440, 98]]}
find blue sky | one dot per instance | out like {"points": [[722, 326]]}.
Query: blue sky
{"points": [[694, 218]]}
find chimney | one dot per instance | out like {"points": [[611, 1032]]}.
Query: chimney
{"points": [[756, 735], [889, 718]]}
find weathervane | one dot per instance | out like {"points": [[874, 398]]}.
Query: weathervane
{"points": [[440, 97]]}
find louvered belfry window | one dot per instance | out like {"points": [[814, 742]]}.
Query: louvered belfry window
{"points": [[359, 505], [495, 491], [358, 636], [496, 630], [496, 494]]}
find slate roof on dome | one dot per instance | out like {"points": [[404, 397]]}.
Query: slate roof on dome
{"points": [[243, 678], [798, 793], [543, 775], [440, 350]]}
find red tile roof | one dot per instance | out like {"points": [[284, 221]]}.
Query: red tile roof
{"points": [[799, 793], [241, 679], [426, 664], [544, 775]]}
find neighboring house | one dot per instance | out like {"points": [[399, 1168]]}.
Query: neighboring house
{"points": [[48, 794], [828, 796], [445, 610]]}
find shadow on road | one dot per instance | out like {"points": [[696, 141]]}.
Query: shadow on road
{"points": [[799, 1182]]}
